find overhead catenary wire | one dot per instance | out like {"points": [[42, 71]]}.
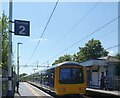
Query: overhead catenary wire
{"points": [[32, 66], [46, 66], [85, 15], [43, 31], [86, 37], [92, 33], [107, 34], [113, 47]]}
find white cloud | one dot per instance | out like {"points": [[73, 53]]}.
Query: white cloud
{"points": [[39, 39], [45, 39], [111, 53]]}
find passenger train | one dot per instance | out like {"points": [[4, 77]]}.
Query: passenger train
{"points": [[66, 78]]}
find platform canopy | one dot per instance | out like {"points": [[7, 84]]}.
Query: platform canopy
{"points": [[103, 61]]}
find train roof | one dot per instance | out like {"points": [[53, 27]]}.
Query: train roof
{"points": [[69, 63]]}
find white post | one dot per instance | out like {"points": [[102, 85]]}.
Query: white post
{"points": [[18, 60], [10, 91]]}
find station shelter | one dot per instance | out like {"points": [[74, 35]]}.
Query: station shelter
{"points": [[95, 67]]}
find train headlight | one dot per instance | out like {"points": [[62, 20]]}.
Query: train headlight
{"points": [[81, 89], [62, 89]]}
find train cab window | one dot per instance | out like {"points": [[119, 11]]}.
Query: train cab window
{"points": [[71, 76]]}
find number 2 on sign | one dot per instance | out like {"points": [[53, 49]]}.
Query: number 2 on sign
{"points": [[22, 30]]}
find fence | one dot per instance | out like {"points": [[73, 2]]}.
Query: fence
{"points": [[113, 83], [4, 82], [0, 82], [116, 81]]}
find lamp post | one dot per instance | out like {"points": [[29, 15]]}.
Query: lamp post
{"points": [[18, 65], [18, 58]]}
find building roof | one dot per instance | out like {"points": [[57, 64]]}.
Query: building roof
{"points": [[110, 59], [94, 62], [102, 61]]}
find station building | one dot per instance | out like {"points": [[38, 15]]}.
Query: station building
{"points": [[95, 67]]}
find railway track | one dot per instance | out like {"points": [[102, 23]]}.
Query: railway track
{"points": [[67, 96], [85, 96]]}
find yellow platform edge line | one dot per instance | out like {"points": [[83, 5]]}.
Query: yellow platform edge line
{"points": [[33, 91]]}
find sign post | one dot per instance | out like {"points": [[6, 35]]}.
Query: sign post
{"points": [[10, 90], [21, 28]]}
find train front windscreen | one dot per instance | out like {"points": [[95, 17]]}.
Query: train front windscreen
{"points": [[71, 76]]}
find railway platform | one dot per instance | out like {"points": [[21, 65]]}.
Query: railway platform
{"points": [[28, 90], [98, 92], [95, 92]]}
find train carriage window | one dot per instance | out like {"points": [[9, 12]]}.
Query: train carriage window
{"points": [[71, 76], [47, 77], [51, 77]]}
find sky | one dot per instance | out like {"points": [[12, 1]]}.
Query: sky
{"points": [[71, 22]]}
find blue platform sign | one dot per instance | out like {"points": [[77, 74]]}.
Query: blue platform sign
{"points": [[22, 28]]}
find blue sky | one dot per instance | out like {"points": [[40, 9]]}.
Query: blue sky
{"points": [[58, 35]]}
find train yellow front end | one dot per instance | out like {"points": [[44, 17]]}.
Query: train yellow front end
{"points": [[70, 80]]}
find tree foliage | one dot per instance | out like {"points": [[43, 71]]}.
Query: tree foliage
{"points": [[118, 65], [4, 31], [93, 49], [63, 58], [117, 56], [22, 75]]}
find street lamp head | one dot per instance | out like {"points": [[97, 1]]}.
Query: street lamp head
{"points": [[19, 43]]}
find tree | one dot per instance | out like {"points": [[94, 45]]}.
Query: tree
{"points": [[22, 75], [117, 56], [118, 64], [93, 49], [4, 32], [63, 58]]}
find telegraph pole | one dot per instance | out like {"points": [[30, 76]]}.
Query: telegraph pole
{"points": [[10, 91], [47, 63]]}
